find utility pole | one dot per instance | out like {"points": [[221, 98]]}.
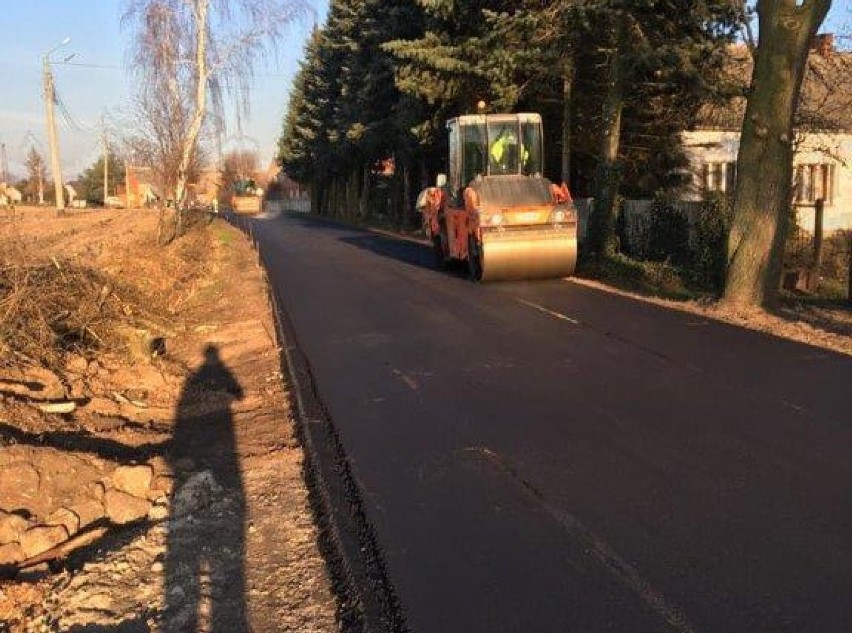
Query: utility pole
{"points": [[49, 99], [5, 163], [106, 161], [126, 184]]}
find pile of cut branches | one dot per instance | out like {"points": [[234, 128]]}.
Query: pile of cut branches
{"points": [[50, 308]]}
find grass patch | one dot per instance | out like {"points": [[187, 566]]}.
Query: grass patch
{"points": [[223, 233], [657, 279]]}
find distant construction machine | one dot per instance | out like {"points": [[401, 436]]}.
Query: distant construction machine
{"points": [[247, 198], [495, 210]]}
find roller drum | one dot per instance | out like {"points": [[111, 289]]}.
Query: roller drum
{"points": [[529, 254]]}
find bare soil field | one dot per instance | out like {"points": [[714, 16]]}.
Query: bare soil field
{"points": [[150, 475]]}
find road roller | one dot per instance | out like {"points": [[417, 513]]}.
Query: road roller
{"points": [[494, 210], [247, 198]]}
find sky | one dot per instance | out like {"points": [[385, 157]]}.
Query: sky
{"points": [[96, 83]]}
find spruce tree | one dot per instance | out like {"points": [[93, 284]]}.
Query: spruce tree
{"points": [[662, 60]]}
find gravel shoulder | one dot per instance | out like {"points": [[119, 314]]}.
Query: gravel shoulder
{"points": [[171, 498]]}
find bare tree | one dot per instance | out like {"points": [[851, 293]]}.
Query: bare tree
{"points": [[36, 172], [188, 56], [240, 165], [765, 162]]}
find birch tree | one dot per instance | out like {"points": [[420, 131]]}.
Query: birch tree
{"points": [[189, 56]]}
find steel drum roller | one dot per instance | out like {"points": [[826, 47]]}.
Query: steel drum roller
{"points": [[528, 254]]}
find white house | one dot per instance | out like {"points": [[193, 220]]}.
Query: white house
{"points": [[823, 159]]}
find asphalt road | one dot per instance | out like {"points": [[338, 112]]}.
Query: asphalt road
{"points": [[545, 457]]}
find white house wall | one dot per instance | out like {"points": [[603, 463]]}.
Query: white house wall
{"points": [[720, 146]]}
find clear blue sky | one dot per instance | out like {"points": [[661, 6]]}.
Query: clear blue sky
{"points": [[31, 27]]}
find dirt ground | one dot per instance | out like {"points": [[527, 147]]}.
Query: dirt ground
{"points": [[152, 457]]}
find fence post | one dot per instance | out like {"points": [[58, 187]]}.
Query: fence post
{"points": [[813, 277], [849, 289]]}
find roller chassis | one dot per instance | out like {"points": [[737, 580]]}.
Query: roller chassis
{"points": [[527, 244], [494, 210]]}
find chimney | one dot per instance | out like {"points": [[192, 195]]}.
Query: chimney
{"points": [[823, 44]]}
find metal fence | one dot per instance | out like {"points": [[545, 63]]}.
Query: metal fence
{"points": [[820, 265], [299, 205], [812, 262]]}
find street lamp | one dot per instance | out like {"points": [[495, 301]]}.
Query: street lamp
{"points": [[50, 98], [64, 42]]}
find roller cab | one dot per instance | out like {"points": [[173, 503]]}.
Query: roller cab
{"points": [[494, 210]]}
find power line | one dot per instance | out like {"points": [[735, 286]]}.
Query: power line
{"points": [[70, 121], [85, 65], [120, 67], [4, 162]]}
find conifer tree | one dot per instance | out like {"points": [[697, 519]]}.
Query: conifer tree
{"points": [[654, 49], [380, 79], [346, 115]]}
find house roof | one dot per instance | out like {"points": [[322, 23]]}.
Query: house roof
{"points": [[825, 101]]}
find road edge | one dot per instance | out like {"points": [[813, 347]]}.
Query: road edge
{"points": [[367, 601]]}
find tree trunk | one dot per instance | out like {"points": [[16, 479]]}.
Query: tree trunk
{"points": [[364, 198], [353, 186], [407, 202], [319, 192], [567, 84], [191, 141], [765, 161], [330, 201], [602, 238], [337, 197]]}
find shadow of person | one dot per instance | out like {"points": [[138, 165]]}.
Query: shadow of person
{"points": [[204, 575]]}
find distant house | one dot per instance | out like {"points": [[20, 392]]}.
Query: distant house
{"points": [[139, 189], [207, 187], [823, 159]]}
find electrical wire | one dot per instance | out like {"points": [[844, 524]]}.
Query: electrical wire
{"points": [[70, 121], [120, 67], [65, 111], [68, 118], [86, 65]]}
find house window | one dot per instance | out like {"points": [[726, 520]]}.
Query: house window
{"points": [[813, 182], [720, 176]]}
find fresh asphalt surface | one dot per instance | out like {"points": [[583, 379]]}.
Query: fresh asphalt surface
{"points": [[545, 457]]}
